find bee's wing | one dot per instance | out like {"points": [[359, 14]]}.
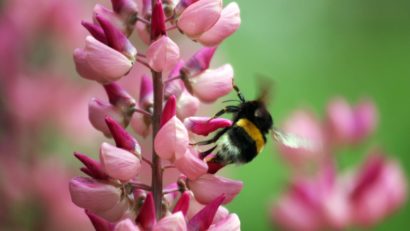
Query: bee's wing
{"points": [[292, 140]]}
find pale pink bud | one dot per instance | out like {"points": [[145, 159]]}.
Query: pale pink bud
{"points": [[98, 110], [205, 125], [306, 128], [366, 119], [99, 223], [340, 121], [146, 216], [122, 138], [163, 54], [173, 222], [119, 97], [230, 223], [213, 84], [158, 21], [187, 105], [96, 31], [190, 165], [182, 204], [203, 219], [171, 141], [199, 17], [199, 62], [116, 39], [126, 225], [226, 25], [169, 110], [118, 163], [99, 62], [146, 99], [92, 167], [93, 195], [140, 124], [208, 187], [380, 188]]}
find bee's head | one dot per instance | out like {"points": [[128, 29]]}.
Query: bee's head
{"points": [[257, 112]]}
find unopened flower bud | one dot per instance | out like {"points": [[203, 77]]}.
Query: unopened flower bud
{"points": [[205, 125], [92, 167], [163, 54], [199, 62], [96, 31], [158, 27], [122, 138], [98, 110], [119, 97], [146, 216], [203, 219]]}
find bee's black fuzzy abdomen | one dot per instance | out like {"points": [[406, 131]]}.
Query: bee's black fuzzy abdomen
{"points": [[245, 145]]}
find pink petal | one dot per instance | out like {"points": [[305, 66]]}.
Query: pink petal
{"points": [[199, 62], [109, 15], [146, 216], [227, 24], [126, 225], [94, 168], [366, 119], [163, 54], [174, 86], [98, 110], [96, 31], [143, 32], [208, 187], [187, 105], [340, 121], [213, 84], [230, 223], [118, 96], [171, 141], [203, 219], [122, 138], [199, 17], [191, 166], [99, 223], [182, 204], [93, 195], [169, 110], [140, 124], [146, 99], [173, 222], [118, 163], [205, 125], [158, 21]]}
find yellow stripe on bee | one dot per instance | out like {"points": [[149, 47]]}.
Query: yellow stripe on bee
{"points": [[253, 132]]}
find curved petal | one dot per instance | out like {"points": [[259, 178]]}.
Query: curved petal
{"points": [[163, 54], [171, 141]]}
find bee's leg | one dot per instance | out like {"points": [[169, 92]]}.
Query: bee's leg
{"points": [[213, 139], [238, 92], [227, 109], [202, 155]]}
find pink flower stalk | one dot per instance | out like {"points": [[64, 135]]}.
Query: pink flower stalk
{"points": [[193, 202]]}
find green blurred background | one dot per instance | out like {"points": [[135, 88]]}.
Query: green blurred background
{"points": [[315, 50]]}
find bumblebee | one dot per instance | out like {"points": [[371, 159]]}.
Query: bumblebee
{"points": [[242, 141]]}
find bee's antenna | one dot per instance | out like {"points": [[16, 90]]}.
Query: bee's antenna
{"points": [[238, 92], [231, 100]]}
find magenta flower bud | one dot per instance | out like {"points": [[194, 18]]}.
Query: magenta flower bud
{"points": [[119, 163], [175, 221], [119, 97], [230, 223], [92, 167], [101, 63], [199, 17], [187, 105], [99, 223], [203, 219], [199, 62], [94, 195], [172, 141], [169, 110], [98, 110], [146, 98], [379, 189], [146, 216], [208, 187], [96, 31], [116, 39], [190, 165], [182, 204], [126, 225], [212, 84], [162, 54], [140, 124], [158, 21], [226, 25], [205, 125], [122, 138]]}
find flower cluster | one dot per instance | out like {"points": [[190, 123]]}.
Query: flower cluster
{"points": [[329, 199], [114, 194]]}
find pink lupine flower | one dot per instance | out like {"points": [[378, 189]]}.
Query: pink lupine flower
{"points": [[182, 204], [96, 31], [378, 190], [122, 138], [203, 219], [163, 54], [158, 27], [99, 223], [230, 223], [146, 96], [175, 221], [98, 110], [92, 167], [226, 25], [140, 124], [146, 216], [199, 17], [99, 197], [119, 97], [199, 62], [305, 126], [126, 9], [126, 225], [109, 15], [190, 165], [208, 187], [118, 163], [349, 125], [99, 62], [205, 125], [219, 80], [187, 105]]}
